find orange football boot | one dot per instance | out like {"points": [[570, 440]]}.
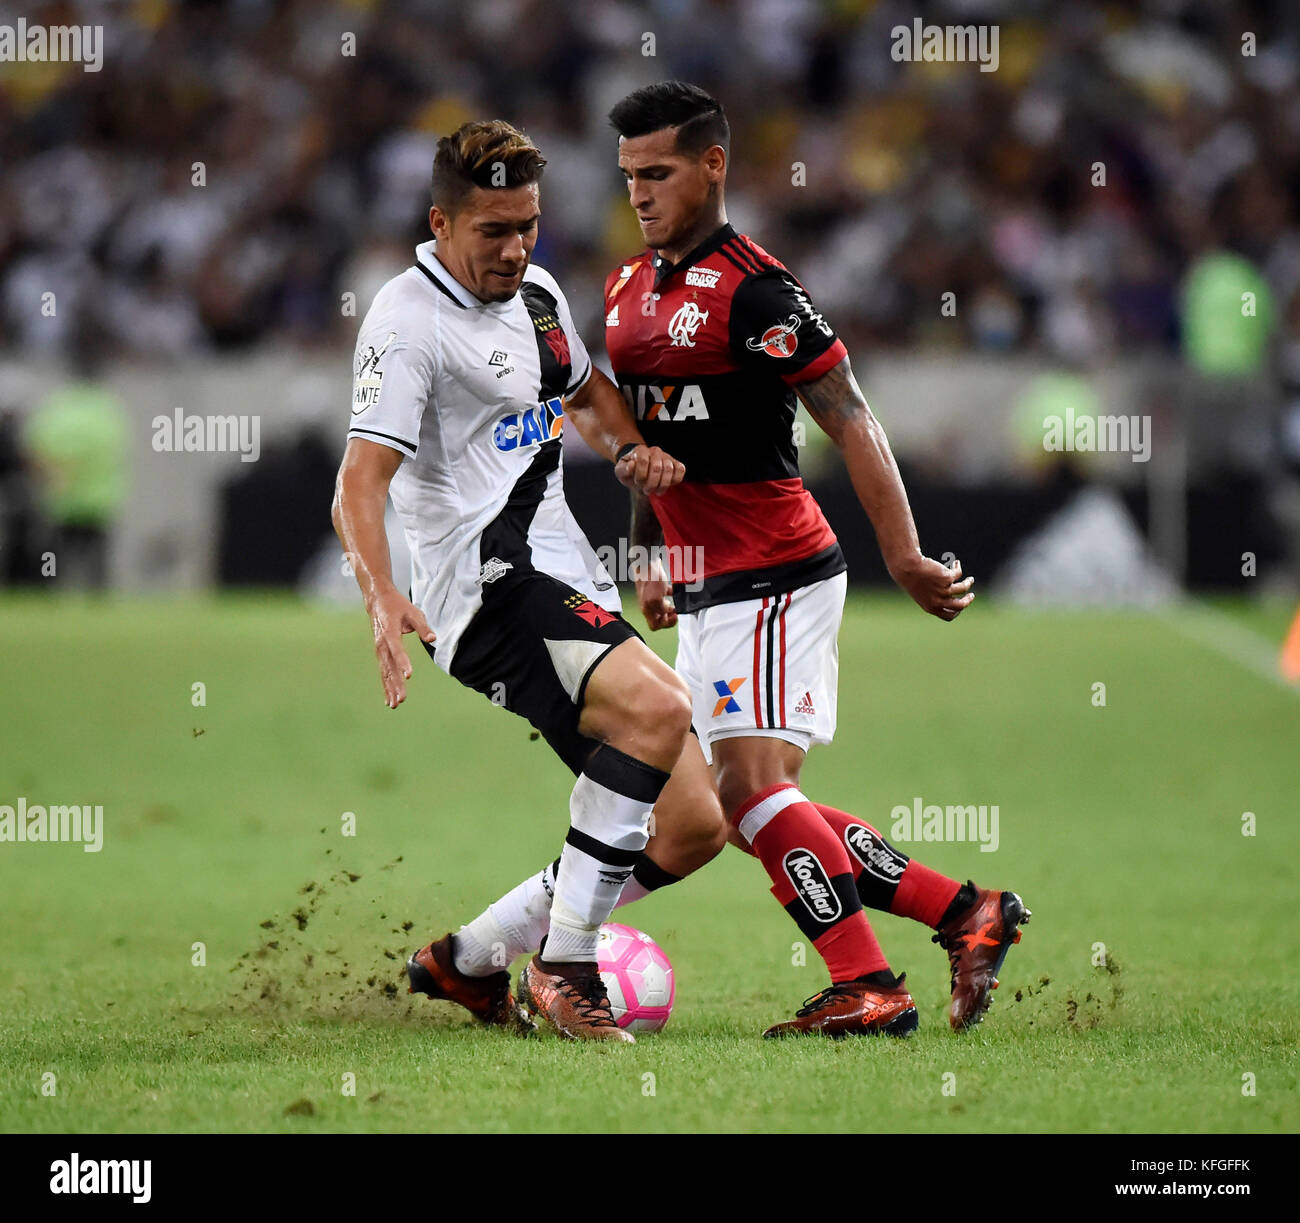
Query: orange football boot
{"points": [[432, 971], [977, 941], [572, 999], [853, 1008]]}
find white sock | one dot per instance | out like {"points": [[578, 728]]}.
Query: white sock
{"points": [[609, 816], [507, 928], [633, 890]]}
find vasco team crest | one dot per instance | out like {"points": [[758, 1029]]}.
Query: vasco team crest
{"points": [[559, 343]]}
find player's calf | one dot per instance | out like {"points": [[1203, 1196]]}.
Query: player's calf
{"points": [[689, 828], [634, 703], [609, 813]]}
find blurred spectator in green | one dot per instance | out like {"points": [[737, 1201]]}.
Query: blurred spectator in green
{"points": [[76, 444], [1228, 316], [1228, 320]]}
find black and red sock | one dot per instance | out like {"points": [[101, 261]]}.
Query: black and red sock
{"points": [[812, 878], [887, 879]]}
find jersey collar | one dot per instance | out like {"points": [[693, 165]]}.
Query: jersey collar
{"points": [[427, 261], [663, 269]]}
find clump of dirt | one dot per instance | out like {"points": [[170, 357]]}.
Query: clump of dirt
{"points": [[302, 968], [1093, 1009], [1084, 1006]]}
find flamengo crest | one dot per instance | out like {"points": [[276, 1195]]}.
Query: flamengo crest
{"points": [[685, 323]]}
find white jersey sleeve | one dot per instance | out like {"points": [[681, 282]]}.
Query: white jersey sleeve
{"points": [[393, 373]]}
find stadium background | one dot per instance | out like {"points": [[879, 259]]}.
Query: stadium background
{"points": [[884, 185]]}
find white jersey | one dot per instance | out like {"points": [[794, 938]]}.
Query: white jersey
{"points": [[471, 394]]}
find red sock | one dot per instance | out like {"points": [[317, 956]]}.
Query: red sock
{"points": [[924, 895], [812, 877], [888, 879]]}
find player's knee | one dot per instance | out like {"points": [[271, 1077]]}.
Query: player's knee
{"points": [[732, 836], [732, 790], [648, 718], [702, 833], [664, 712], [713, 833]]}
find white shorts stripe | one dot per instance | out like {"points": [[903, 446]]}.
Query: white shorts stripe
{"points": [[761, 814], [768, 666]]}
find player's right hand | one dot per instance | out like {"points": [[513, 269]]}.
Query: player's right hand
{"points": [[937, 588], [656, 600], [649, 469], [391, 616]]}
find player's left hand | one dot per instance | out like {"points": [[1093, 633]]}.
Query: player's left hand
{"points": [[656, 600], [936, 588], [649, 469]]}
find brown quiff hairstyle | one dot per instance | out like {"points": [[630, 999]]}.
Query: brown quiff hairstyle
{"points": [[486, 153]]}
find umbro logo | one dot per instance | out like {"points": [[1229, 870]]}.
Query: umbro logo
{"points": [[498, 361]]}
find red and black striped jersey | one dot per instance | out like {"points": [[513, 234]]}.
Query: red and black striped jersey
{"points": [[707, 351]]}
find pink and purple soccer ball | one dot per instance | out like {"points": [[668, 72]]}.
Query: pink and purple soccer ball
{"points": [[638, 975]]}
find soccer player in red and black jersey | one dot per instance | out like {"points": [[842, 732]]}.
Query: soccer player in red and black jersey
{"points": [[711, 339]]}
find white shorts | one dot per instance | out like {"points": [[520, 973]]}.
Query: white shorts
{"points": [[765, 667]]}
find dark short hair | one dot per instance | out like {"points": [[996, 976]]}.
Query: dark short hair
{"points": [[697, 116], [489, 154]]}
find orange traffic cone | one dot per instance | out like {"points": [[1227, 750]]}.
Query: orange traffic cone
{"points": [[1289, 663]]}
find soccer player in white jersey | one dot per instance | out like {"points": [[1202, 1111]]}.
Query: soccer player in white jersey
{"points": [[467, 365]]}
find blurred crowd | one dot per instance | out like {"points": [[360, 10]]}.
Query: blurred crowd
{"points": [[239, 166]]}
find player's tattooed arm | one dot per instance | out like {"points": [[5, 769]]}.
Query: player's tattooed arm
{"points": [[605, 421], [836, 403]]}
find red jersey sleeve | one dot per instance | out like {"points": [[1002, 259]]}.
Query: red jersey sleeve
{"points": [[775, 326]]}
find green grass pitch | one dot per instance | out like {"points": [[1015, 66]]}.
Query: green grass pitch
{"points": [[1120, 825]]}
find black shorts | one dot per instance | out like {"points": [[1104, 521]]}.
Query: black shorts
{"points": [[532, 647]]}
